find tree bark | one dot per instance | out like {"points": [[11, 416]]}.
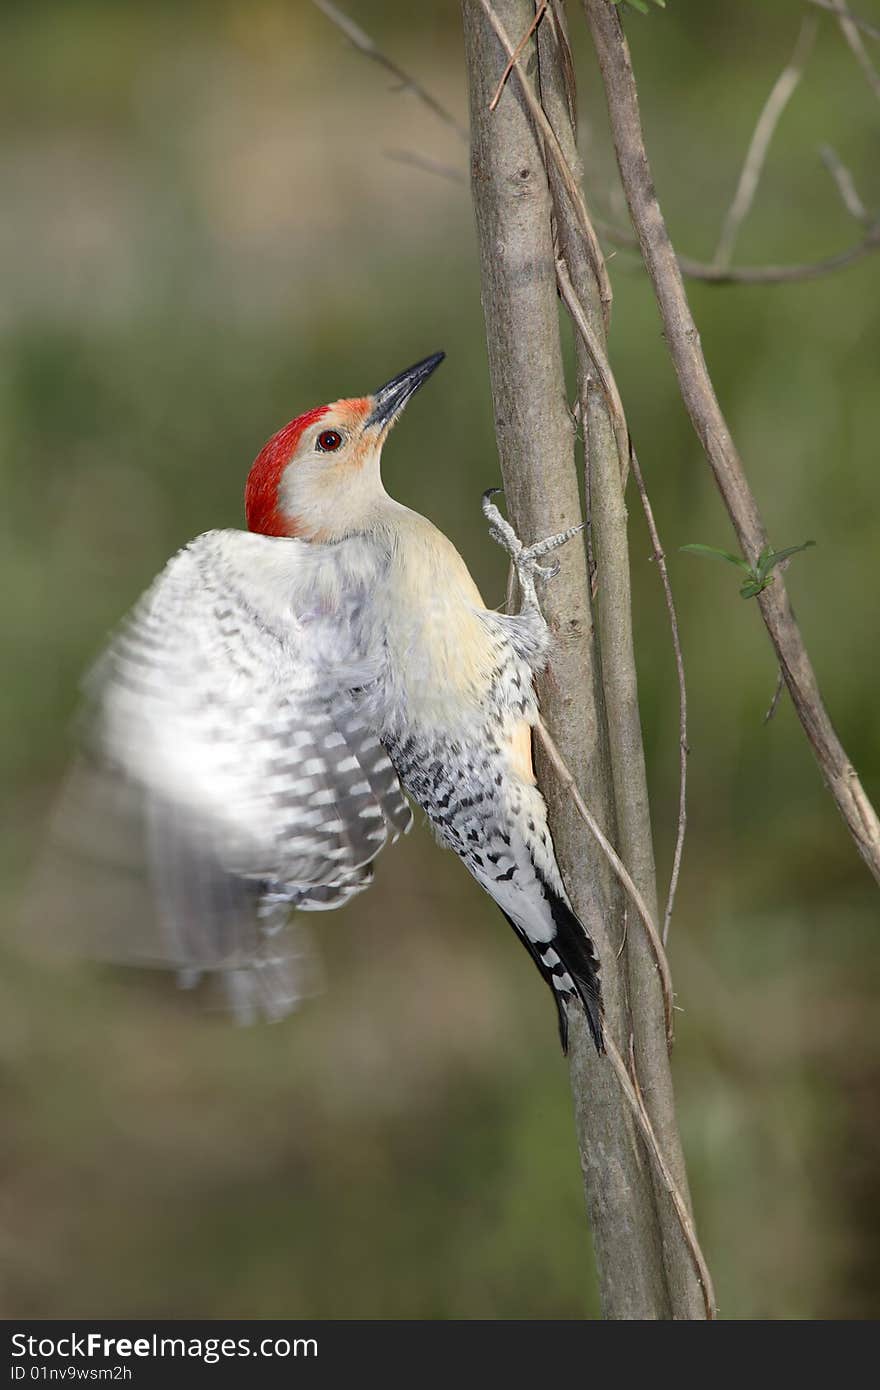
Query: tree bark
{"points": [[613, 607], [638, 1277]]}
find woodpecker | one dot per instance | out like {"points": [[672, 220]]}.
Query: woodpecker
{"points": [[277, 690]]}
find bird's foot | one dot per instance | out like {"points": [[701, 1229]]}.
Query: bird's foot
{"points": [[526, 558]]}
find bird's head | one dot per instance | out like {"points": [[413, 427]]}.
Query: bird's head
{"points": [[318, 478]]}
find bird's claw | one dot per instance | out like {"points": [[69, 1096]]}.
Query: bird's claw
{"points": [[525, 558]]}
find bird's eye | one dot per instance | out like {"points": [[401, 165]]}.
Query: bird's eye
{"points": [[329, 441]]}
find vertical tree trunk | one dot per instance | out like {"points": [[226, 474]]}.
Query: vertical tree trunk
{"points": [[536, 445], [613, 608], [644, 1268]]}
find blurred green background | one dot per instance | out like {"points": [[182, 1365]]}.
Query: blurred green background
{"points": [[203, 234]]}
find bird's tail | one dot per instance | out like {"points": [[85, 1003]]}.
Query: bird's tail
{"points": [[569, 964]]}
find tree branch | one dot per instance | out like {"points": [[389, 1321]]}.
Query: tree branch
{"points": [[845, 184], [619, 868], [683, 749], [759, 145], [836, 7], [360, 40], [757, 274], [536, 447], [606, 448], [630, 1087], [597, 260], [600, 365], [538, 16], [696, 270], [851, 33], [698, 393], [621, 433], [427, 165]]}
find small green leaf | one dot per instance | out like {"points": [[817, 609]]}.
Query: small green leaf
{"points": [[754, 586], [761, 569], [777, 556], [697, 549]]}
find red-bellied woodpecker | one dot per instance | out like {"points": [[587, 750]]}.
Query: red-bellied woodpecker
{"points": [[275, 687]]}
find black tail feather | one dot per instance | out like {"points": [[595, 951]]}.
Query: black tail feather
{"points": [[577, 958], [574, 946]]}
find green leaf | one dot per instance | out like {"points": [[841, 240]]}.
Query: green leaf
{"points": [[776, 557], [697, 549], [754, 586], [761, 569]]}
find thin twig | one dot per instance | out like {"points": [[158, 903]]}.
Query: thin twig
{"points": [[698, 394], [834, 7], [619, 868], [625, 932], [592, 567], [539, 15], [759, 145], [757, 274], [694, 269], [683, 749], [845, 184], [628, 456], [364, 44], [579, 416], [632, 1092], [782, 274], [559, 25], [857, 44], [601, 365], [427, 165], [777, 694], [594, 251]]}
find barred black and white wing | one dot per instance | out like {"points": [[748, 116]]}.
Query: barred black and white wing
{"points": [[226, 733]]}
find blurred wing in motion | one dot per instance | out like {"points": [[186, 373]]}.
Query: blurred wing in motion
{"points": [[227, 774]]}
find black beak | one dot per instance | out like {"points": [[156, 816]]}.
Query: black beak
{"points": [[393, 396]]}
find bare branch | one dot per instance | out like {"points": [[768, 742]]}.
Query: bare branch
{"points": [[512, 202], [627, 455], [698, 394], [522, 359], [597, 260], [835, 7], [427, 165], [757, 274], [601, 365], [777, 695], [845, 184], [782, 274], [683, 749], [632, 1092], [364, 44], [620, 870], [539, 15], [756, 155], [850, 32], [694, 269], [605, 441]]}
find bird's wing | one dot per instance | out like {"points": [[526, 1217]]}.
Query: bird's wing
{"points": [[223, 736]]}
